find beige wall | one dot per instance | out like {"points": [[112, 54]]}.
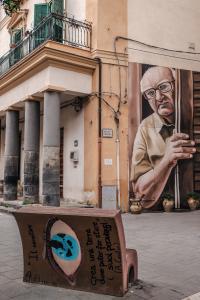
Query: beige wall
{"points": [[109, 19], [172, 24], [111, 86]]}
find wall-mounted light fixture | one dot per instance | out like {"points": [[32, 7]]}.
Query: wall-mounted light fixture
{"points": [[77, 104]]}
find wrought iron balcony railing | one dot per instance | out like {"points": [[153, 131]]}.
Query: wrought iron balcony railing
{"points": [[54, 27]]}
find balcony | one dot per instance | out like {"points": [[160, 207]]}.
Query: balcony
{"points": [[54, 27]]}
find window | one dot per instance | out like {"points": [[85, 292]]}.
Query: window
{"points": [[41, 11], [53, 28], [57, 7], [16, 37]]}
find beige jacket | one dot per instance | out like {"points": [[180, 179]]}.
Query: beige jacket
{"points": [[149, 145]]}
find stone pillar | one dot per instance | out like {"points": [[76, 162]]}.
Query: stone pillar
{"points": [[11, 157], [1, 180], [31, 151], [51, 149]]}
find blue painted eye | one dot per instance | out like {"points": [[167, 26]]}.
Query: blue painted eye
{"points": [[65, 246]]}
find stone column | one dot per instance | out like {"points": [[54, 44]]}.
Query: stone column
{"points": [[31, 151], [1, 180], [11, 157], [51, 149]]}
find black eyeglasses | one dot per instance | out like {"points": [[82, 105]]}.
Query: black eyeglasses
{"points": [[163, 87]]}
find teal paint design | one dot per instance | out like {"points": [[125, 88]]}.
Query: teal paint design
{"points": [[65, 246]]}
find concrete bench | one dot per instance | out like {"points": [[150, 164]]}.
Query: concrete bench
{"points": [[76, 248]]}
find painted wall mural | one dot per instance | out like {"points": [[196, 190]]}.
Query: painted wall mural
{"points": [[163, 134]]}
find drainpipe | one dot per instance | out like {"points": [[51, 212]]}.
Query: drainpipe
{"points": [[99, 133], [177, 130], [118, 202]]}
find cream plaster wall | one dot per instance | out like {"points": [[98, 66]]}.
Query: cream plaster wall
{"points": [[73, 181], [70, 80], [73, 124], [4, 41], [64, 80], [76, 9], [172, 24], [4, 35]]}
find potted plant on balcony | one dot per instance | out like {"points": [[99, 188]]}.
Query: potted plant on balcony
{"points": [[168, 202], [193, 200], [10, 6]]}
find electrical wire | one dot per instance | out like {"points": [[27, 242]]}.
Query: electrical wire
{"points": [[106, 102], [162, 54], [154, 47]]}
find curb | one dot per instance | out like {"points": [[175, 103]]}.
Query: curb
{"points": [[7, 210]]}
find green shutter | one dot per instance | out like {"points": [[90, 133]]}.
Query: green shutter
{"points": [[57, 7], [41, 11], [41, 34], [16, 53], [17, 36]]}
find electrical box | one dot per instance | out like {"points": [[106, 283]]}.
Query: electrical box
{"points": [[74, 156]]}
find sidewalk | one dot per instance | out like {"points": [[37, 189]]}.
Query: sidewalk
{"points": [[168, 246]]}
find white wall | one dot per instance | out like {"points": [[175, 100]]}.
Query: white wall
{"points": [[4, 35], [172, 24], [73, 124], [73, 180], [70, 81], [76, 9], [4, 41]]}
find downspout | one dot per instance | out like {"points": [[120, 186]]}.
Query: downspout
{"points": [[99, 134], [177, 130], [118, 204]]}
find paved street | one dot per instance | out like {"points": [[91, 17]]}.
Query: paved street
{"points": [[168, 246]]}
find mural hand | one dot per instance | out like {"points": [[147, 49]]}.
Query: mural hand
{"points": [[178, 147]]}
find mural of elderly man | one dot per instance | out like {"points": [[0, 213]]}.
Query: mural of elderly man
{"points": [[157, 147]]}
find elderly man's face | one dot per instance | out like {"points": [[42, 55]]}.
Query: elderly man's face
{"points": [[163, 102]]}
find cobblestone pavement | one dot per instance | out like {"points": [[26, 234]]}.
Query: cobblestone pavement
{"points": [[168, 246]]}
